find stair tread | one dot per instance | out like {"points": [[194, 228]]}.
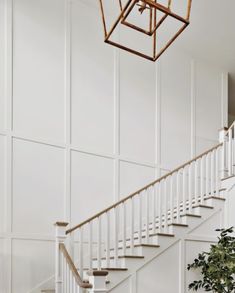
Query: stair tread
{"points": [[215, 197], [115, 269], [138, 245], [203, 206], [178, 225], [122, 256], [190, 215]]}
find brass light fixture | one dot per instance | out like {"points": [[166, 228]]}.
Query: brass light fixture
{"points": [[156, 13]]}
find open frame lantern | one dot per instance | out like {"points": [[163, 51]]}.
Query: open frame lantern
{"points": [[157, 13]]}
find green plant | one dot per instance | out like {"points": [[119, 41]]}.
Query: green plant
{"points": [[217, 266]]}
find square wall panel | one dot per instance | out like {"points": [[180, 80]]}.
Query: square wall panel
{"points": [[137, 108], [208, 95], [38, 187], [32, 263], [92, 81], [38, 50], [2, 62], [2, 180], [203, 144], [175, 109], [91, 185], [158, 271], [2, 266], [134, 177]]}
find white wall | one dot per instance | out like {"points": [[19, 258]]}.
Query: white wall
{"points": [[82, 124]]}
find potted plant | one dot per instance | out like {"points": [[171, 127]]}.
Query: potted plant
{"points": [[217, 266]]}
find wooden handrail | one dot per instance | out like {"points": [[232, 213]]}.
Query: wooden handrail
{"points": [[73, 269], [142, 189], [231, 126]]}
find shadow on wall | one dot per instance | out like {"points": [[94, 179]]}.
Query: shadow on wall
{"points": [[231, 98]]}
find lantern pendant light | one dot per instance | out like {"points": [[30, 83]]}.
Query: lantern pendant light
{"points": [[156, 13]]}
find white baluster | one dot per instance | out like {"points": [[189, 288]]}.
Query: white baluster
{"points": [[140, 218], [116, 236], [80, 231], [207, 175], [190, 189], [99, 260], [178, 196], [71, 281], [165, 195], [107, 240], [124, 228], [171, 198], [67, 278], [212, 173], [184, 191], [154, 209], [196, 192], [147, 194], [230, 152], [159, 191], [202, 175], [132, 211], [90, 244], [217, 179]]}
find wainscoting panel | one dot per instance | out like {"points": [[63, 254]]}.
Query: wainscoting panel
{"points": [[38, 187], [92, 81], [2, 67], [32, 263], [2, 181], [137, 108], [175, 109], [208, 95], [134, 177], [38, 51], [91, 185]]}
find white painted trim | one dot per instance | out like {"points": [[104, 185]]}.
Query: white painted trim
{"points": [[116, 132], [158, 120], [67, 101], [9, 125], [224, 100], [193, 109]]}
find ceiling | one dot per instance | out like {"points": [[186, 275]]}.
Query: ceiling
{"points": [[211, 37]]}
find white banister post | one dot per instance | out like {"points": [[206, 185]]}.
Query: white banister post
{"points": [[223, 140], [98, 281], [60, 234]]}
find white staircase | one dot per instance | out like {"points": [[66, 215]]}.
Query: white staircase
{"points": [[100, 254]]}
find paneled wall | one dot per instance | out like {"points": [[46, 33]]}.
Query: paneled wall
{"points": [[82, 125]]}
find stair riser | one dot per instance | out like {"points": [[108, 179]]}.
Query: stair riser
{"points": [[216, 203], [191, 221], [178, 230], [203, 212]]}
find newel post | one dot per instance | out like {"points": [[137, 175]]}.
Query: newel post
{"points": [[98, 281], [60, 234], [223, 139]]}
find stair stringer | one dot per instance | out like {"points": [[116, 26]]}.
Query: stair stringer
{"points": [[229, 185], [187, 234]]}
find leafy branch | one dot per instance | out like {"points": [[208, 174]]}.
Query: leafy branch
{"points": [[217, 266]]}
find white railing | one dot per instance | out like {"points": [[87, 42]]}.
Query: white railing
{"points": [[98, 242]]}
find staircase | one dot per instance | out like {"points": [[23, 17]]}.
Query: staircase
{"points": [[101, 253]]}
